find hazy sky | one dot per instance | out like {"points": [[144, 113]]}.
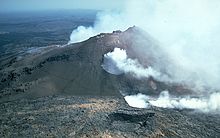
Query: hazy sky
{"points": [[29, 5]]}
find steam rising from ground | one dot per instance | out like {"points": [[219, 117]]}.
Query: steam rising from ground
{"points": [[212, 103], [106, 22], [187, 30], [117, 62]]}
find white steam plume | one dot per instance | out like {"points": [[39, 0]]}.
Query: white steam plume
{"points": [[117, 62], [210, 104], [106, 22], [138, 101], [188, 30]]}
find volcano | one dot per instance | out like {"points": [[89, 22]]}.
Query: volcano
{"points": [[76, 69], [74, 91]]}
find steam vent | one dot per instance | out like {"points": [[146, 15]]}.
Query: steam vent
{"points": [[77, 69], [71, 91]]}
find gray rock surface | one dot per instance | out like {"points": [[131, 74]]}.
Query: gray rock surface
{"points": [[64, 92], [77, 69], [68, 116]]}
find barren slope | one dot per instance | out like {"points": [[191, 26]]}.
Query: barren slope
{"points": [[76, 69]]}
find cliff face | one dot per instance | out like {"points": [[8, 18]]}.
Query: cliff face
{"points": [[76, 69]]}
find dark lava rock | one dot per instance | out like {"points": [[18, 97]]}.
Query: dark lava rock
{"points": [[65, 116], [76, 69], [97, 108]]}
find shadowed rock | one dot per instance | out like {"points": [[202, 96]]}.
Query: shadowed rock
{"points": [[76, 69]]}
